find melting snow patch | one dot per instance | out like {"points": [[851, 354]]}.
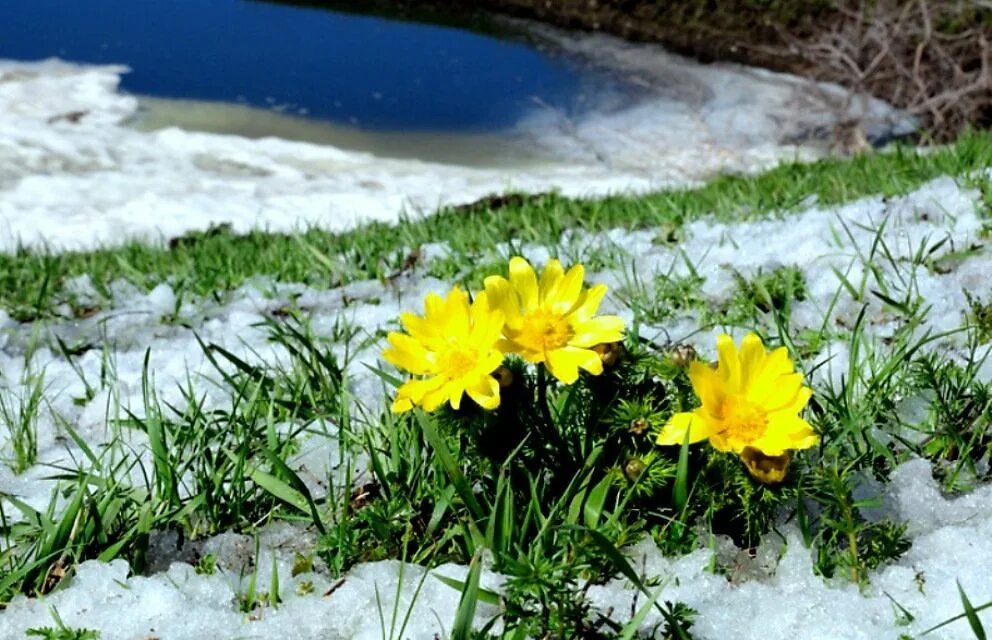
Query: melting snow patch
{"points": [[72, 175], [775, 597], [783, 599]]}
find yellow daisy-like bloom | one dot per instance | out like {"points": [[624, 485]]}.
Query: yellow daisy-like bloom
{"points": [[553, 320], [750, 405], [453, 347]]}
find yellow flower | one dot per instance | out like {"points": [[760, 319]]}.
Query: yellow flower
{"points": [[453, 347], [552, 321], [750, 406]]}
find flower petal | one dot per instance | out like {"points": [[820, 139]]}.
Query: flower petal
{"points": [[456, 321], [487, 323], [484, 392], [412, 393], [420, 328], [777, 363], [417, 389], [433, 308], [455, 390], [500, 295], [512, 346], [708, 386], [776, 393], [551, 278], [729, 366], [721, 442], [588, 303], [408, 354], [785, 432], [674, 432], [434, 399], [568, 292], [800, 401], [489, 362], [792, 399], [565, 363], [524, 282], [402, 403], [598, 330], [753, 356]]}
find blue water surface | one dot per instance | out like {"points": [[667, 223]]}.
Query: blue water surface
{"points": [[361, 71]]}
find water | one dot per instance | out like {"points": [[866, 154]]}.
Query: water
{"points": [[358, 72]]}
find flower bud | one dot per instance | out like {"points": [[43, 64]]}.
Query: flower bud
{"points": [[766, 469], [634, 468], [638, 426], [682, 354], [610, 353], [503, 376]]}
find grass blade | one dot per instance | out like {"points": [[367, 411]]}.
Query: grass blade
{"points": [[680, 492], [629, 631], [485, 596], [451, 467], [969, 611], [620, 563], [292, 491], [462, 628]]}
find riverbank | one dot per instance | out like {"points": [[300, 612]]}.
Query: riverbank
{"points": [[739, 31], [930, 59]]}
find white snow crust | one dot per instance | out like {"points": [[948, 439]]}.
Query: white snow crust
{"points": [[783, 602], [94, 181], [72, 175], [951, 538], [951, 544]]}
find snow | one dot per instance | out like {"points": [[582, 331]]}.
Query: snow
{"points": [[74, 175], [95, 181], [951, 544], [829, 245], [179, 604], [776, 598], [951, 538]]}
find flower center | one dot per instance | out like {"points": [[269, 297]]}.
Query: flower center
{"points": [[741, 420], [458, 361], [545, 331]]}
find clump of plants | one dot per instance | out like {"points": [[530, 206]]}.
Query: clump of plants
{"points": [[561, 436]]}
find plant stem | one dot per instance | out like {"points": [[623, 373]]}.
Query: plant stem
{"points": [[550, 428], [852, 544]]}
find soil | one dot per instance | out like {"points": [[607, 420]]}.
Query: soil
{"points": [[745, 31]]}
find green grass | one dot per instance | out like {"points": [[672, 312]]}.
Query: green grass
{"points": [[981, 316], [661, 295], [61, 632], [549, 511], [32, 281], [19, 415]]}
